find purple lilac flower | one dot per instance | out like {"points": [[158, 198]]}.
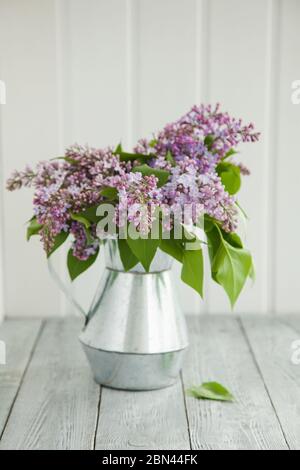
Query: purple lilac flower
{"points": [[190, 149], [188, 136], [205, 194], [81, 248], [138, 198]]}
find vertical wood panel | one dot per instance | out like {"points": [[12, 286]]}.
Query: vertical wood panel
{"points": [[201, 96], [97, 85], [202, 51], [1, 219], [166, 79], [29, 134], [271, 149], [1, 198], [100, 72], [238, 80], [131, 55], [286, 266], [96, 89]]}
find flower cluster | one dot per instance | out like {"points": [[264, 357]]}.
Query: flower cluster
{"points": [[204, 134], [67, 186], [138, 198], [203, 193], [188, 151]]}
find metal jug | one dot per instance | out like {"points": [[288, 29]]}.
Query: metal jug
{"points": [[135, 334]]}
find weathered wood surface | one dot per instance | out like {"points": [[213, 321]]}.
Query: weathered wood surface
{"points": [[220, 353], [143, 420], [271, 340], [57, 405], [48, 399], [19, 338]]}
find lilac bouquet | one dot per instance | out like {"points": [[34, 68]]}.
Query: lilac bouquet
{"points": [[169, 194]]}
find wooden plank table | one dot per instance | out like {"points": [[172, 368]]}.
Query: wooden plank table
{"points": [[48, 399]]}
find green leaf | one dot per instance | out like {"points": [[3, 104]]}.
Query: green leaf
{"points": [[33, 228], [230, 175], [71, 161], [89, 238], [192, 269], [173, 248], [119, 149], [76, 266], [90, 214], [59, 240], [83, 220], [233, 239], [213, 238], [209, 140], [86, 225], [252, 273], [127, 257], [229, 154], [170, 158], [144, 249], [231, 265], [146, 170], [67, 159], [211, 391], [130, 157], [193, 233], [153, 142], [109, 193]]}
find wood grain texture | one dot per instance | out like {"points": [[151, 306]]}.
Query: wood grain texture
{"points": [[143, 420], [271, 340], [220, 353], [291, 319], [49, 399], [20, 338], [57, 405]]}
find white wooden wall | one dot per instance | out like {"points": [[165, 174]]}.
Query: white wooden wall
{"points": [[99, 71]]}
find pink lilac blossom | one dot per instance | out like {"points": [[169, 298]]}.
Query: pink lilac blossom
{"points": [[204, 193], [66, 186], [204, 134], [138, 199], [82, 248], [189, 149]]}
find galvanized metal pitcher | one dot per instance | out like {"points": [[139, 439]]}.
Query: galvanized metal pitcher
{"points": [[135, 334]]}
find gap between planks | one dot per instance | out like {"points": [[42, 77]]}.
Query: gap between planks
{"points": [[219, 352], [271, 340], [12, 355], [261, 418], [64, 411], [262, 377]]}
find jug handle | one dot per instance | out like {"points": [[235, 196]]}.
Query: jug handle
{"points": [[65, 289]]}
